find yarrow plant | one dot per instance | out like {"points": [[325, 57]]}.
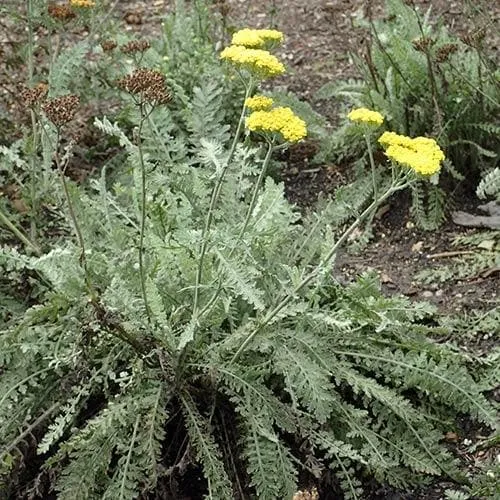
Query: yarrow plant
{"points": [[195, 320]]}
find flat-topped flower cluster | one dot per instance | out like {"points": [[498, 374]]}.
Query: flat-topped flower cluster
{"points": [[280, 120], [249, 53], [421, 154], [249, 50]]}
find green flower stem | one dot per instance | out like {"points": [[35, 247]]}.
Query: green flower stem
{"points": [[76, 225], [19, 233], [253, 201], [143, 214], [372, 165], [256, 190], [213, 201], [34, 132], [317, 270]]}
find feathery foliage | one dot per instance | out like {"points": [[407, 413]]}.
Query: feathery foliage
{"points": [[227, 345], [426, 82]]}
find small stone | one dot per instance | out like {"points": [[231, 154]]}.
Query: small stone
{"points": [[417, 247], [427, 294], [410, 225], [439, 293]]}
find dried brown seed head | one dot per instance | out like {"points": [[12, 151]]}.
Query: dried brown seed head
{"points": [[444, 52], [60, 12], [474, 38], [61, 110], [108, 45], [223, 7], [423, 43], [148, 84], [32, 97], [135, 46]]}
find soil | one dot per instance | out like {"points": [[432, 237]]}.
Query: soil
{"points": [[321, 36]]}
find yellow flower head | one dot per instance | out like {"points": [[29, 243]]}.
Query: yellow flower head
{"points": [[367, 116], [421, 154], [257, 39], [259, 62], [278, 120], [259, 103], [82, 3]]}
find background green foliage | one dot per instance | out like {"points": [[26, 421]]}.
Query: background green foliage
{"points": [[408, 76]]}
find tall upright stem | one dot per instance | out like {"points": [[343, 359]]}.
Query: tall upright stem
{"points": [[255, 193], [372, 165], [76, 225], [213, 201], [34, 131], [143, 214]]}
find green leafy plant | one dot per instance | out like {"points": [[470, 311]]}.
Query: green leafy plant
{"points": [[193, 321], [426, 82]]}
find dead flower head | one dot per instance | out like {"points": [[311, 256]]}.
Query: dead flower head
{"points": [[148, 84], [61, 12], [33, 96], [444, 52], [108, 45], [423, 43], [61, 110], [135, 46], [474, 38]]}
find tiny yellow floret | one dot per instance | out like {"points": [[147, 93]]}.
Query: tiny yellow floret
{"points": [[279, 120], [259, 103], [367, 116], [256, 39], [421, 154], [259, 62], [82, 3]]}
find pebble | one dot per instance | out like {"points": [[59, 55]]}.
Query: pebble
{"points": [[427, 294]]}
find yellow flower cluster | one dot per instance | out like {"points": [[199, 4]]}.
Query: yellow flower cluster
{"points": [[256, 39], [259, 62], [367, 116], [259, 103], [82, 3], [421, 154], [279, 120]]}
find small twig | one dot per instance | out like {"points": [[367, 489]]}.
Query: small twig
{"points": [[442, 255]]}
